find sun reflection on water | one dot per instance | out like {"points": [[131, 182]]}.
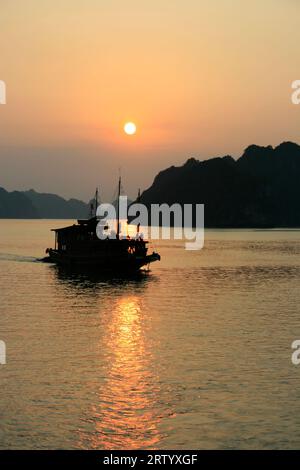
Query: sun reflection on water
{"points": [[126, 415]]}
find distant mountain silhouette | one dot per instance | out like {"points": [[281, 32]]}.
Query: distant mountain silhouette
{"points": [[33, 205], [260, 189], [16, 205], [51, 206]]}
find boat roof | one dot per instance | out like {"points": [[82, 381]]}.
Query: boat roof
{"points": [[81, 224]]}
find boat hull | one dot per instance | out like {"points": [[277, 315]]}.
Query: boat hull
{"points": [[101, 262]]}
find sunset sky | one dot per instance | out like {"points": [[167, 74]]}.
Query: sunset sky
{"points": [[198, 78]]}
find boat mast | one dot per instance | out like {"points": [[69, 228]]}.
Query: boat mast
{"points": [[96, 201], [94, 204], [118, 208], [138, 200]]}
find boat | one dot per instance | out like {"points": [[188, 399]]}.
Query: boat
{"points": [[79, 246]]}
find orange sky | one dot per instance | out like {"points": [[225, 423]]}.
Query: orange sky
{"points": [[199, 78]]}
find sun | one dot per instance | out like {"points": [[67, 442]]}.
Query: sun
{"points": [[130, 128]]}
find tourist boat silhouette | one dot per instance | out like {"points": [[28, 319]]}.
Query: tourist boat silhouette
{"points": [[79, 246]]}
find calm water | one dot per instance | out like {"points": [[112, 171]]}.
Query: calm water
{"points": [[195, 355]]}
